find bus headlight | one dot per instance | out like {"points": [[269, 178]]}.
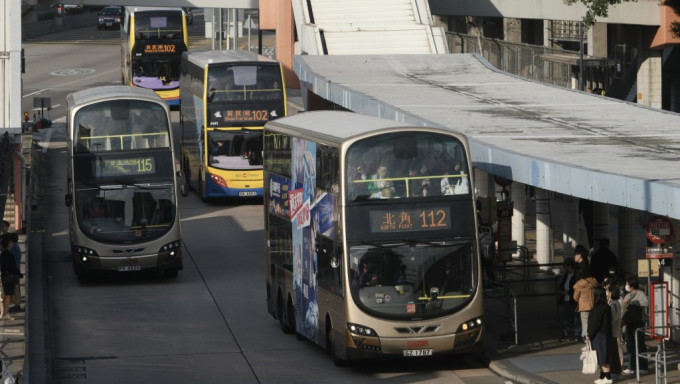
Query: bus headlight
{"points": [[83, 254], [171, 249], [470, 325], [364, 337]]}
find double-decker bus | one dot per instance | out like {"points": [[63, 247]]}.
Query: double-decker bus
{"points": [[152, 42], [371, 236], [226, 98], [122, 183]]}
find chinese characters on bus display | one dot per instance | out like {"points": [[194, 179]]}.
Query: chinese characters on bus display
{"points": [[126, 167], [401, 220]]}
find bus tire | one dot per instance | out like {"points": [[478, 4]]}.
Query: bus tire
{"points": [[330, 345], [187, 173], [285, 325], [200, 185], [81, 274], [171, 273], [184, 187]]}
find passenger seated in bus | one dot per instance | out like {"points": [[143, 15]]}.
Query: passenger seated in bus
{"points": [[358, 188], [95, 208], [222, 90], [419, 186], [275, 91], [459, 185], [381, 188], [369, 276], [399, 277]]}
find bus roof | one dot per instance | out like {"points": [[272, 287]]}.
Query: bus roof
{"points": [[134, 9], [332, 126], [203, 58], [110, 92]]}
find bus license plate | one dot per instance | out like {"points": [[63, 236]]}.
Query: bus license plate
{"points": [[127, 268], [417, 352], [247, 193]]}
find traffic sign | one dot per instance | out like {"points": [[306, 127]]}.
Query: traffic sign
{"points": [[659, 230]]}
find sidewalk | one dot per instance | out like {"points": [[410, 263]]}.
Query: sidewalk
{"points": [[13, 341], [538, 356]]}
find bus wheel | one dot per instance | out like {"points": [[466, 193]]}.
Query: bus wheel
{"points": [[184, 186], [200, 185], [81, 274], [285, 325], [171, 273], [187, 178], [330, 346]]}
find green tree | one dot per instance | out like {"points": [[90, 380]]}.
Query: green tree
{"points": [[595, 8]]}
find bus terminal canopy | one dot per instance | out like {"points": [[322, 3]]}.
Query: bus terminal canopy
{"points": [[244, 4], [571, 142]]}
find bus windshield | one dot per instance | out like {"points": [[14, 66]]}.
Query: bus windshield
{"points": [[120, 125], [157, 53], [240, 149], [244, 94], [417, 280], [125, 213], [406, 165], [150, 27]]}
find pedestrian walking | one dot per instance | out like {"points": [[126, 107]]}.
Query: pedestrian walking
{"points": [[584, 295], [600, 334]]}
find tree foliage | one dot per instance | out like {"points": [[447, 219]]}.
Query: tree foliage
{"points": [[595, 8]]}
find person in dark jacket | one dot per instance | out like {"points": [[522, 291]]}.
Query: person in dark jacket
{"points": [[603, 261], [8, 269], [581, 258], [600, 334], [570, 319]]}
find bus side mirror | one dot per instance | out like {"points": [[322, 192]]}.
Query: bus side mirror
{"points": [[68, 200]]}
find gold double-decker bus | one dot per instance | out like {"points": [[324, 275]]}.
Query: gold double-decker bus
{"points": [[371, 236]]}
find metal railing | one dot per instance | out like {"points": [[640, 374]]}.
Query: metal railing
{"points": [[666, 353], [503, 294]]}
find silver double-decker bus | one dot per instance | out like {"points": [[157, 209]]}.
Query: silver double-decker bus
{"points": [[371, 236], [122, 182]]}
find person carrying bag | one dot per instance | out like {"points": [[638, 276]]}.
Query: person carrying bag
{"points": [[589, 358]]}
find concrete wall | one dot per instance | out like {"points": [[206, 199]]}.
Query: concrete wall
{"points": [[44, 27]]}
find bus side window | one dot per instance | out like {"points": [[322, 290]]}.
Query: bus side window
{"points": [[329, 264]]}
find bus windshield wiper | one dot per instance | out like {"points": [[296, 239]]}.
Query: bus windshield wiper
{"points": [[432, 243], [378, 245]]}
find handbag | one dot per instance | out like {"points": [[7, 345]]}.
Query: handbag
{"points": [[7, 377], [589, 358]]}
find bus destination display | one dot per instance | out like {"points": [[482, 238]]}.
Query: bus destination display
{"points": [[240, 115], [126, 167], [402, 220]]}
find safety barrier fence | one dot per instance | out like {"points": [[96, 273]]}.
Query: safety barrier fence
{"points": [[666, 355]]}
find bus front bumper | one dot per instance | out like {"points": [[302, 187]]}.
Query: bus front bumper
{"points": [[471, 341], [159, 260]]}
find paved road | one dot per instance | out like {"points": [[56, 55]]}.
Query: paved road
{"points": [[209, 325]]}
